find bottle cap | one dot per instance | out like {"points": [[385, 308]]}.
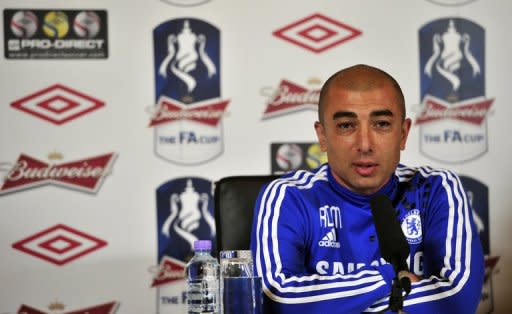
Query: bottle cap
{"points": [[202, 245]]}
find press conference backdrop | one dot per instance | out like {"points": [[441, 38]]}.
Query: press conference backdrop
{"points": [[117, 116]]}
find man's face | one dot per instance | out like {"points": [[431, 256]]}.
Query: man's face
{"points": [[363, 134]]}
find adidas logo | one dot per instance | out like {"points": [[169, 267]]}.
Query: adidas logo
{"points": [[329, 240]]}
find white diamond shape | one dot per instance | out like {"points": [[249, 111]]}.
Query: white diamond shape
{"points": [[58, 104]]}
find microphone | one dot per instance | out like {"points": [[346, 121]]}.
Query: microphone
{"points": [[392, 243]]}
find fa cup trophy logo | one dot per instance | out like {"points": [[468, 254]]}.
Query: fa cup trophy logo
{"points": [[188, 114], [184, 214], [182, 60], [185, 221], [448, 54], [453, 110]]}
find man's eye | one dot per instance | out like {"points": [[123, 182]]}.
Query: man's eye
{"points": [[345, 125], [382, 124]]}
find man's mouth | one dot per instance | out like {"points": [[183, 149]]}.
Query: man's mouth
{"points": [[365, 169]]}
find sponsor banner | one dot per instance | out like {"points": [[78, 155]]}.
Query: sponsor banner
{"points": [[57, 104], [187, 117], [453, 114], [59, 244], [85, 175], [317, 33], [186, 3], [184, 215], [453, 3], [290, 97], [55, 34], [287, 157], [59, 308], [478, 196]]}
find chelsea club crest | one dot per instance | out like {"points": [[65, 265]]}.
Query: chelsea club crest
{"points": [[411, 227]]}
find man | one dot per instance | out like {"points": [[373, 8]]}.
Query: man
{"points": [[314, 242]]}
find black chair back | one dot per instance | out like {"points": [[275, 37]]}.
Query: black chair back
{"points": [[234, 199]]}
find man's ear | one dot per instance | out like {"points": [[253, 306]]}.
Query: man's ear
{"points": [[406, 126], [320, 134]]}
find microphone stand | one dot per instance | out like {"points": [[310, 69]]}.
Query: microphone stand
{"points": [[400, 283], [394, 249], [396, 301]]}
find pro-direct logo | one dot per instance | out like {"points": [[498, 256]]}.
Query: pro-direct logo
{"points": [[454, 108], [57, 104], [85, 175], [290, 97], [60, 308], [317, 33], [59, 244], [55, 34], [287, 157]]}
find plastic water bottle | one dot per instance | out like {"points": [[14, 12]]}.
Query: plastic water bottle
{"points": [[203, 273]]}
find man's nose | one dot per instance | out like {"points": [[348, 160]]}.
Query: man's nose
{"points": [[364, 140]]}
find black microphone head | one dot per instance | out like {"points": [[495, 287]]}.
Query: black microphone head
{"points": [[392, 243]]}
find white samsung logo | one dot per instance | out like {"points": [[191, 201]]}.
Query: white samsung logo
{"points": [[329, 240]]}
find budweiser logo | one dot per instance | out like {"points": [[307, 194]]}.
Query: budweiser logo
{"points": [[169, 270], [472, 111], [107, 308], [289, 97], [168, 110], [85, 174]]}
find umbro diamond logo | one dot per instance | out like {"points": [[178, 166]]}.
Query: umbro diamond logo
{"points": [[329, 240], [317, 33], [58, 104]]}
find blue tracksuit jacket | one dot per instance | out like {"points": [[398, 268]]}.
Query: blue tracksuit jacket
{"points": [[315, 246]]}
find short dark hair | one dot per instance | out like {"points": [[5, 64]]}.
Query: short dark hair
{"points": [[373, 80]]}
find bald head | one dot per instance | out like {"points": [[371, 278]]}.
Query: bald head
{"points": [[359, 78]]}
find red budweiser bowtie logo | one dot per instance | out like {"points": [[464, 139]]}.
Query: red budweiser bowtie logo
{"points": [[107, 308], [85, 174], [168, 110], [290, 97], [169, 270], [473, 111]]}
